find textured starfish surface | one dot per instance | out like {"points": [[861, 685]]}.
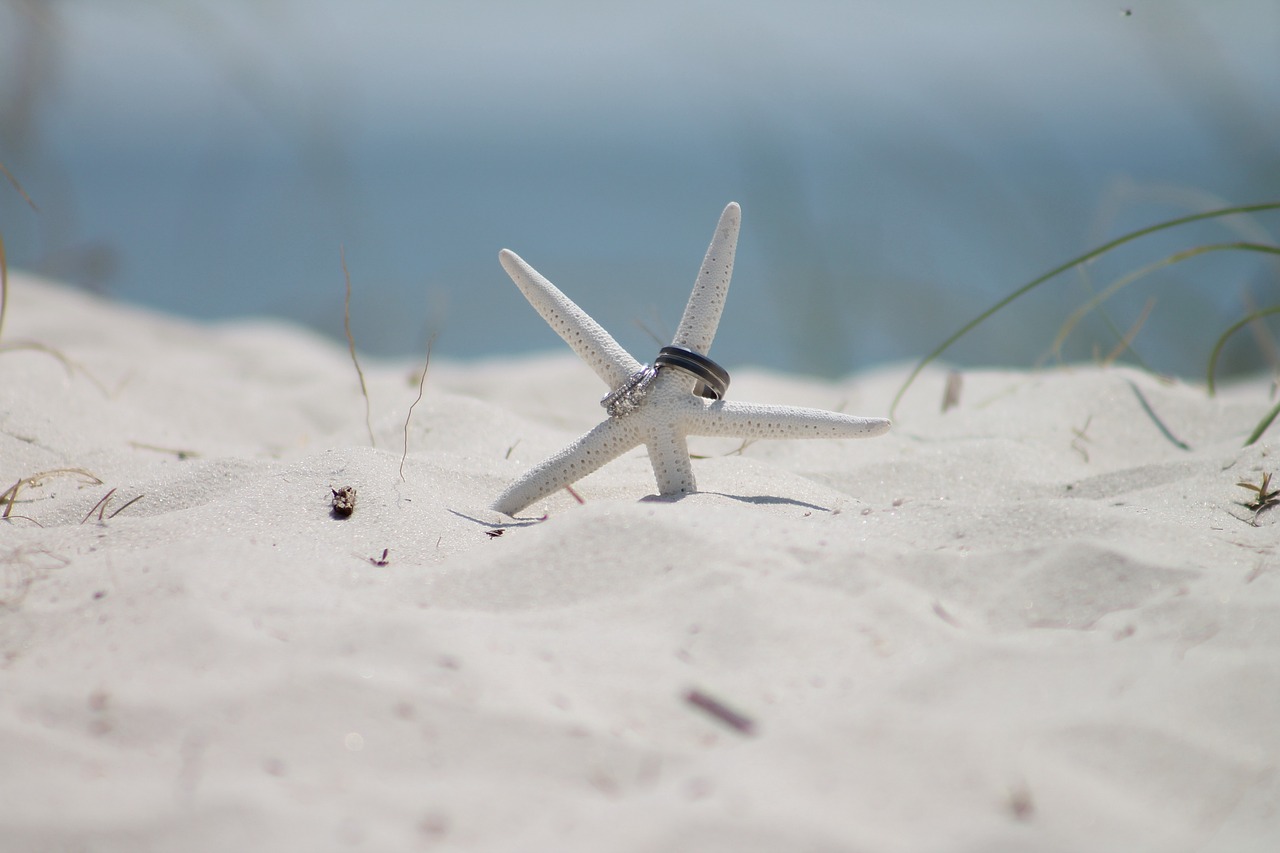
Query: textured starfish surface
{"points": [[668, 410]]}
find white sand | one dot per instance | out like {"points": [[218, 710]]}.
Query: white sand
{"points": [[978, 633]]}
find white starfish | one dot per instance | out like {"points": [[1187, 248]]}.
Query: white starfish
{"points": [[666, 410]]}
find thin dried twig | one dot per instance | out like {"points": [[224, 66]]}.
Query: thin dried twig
{"points": [[731, 718]]}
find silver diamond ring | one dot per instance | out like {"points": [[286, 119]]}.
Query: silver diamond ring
{"points": [[627, 398]]}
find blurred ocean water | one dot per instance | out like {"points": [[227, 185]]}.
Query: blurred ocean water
{"points": [[900, 165]]}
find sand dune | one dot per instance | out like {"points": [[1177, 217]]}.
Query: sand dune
{"points": [[1034, 622]]}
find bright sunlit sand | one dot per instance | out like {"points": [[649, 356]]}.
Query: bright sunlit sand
{"points": [[1045, 619]]}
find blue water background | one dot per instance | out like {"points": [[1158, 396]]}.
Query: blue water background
{"points": [[900, 166]]}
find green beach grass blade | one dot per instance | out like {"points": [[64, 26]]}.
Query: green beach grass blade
{"points": [[1177, 257], [1124, 338], [1156, 419], [1058, 270], [1262, 425], [1222, 341]]}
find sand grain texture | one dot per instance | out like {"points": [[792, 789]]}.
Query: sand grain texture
{"points": [[982, 632]]}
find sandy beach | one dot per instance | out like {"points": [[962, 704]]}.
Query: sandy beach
{"points": [[1041, 620]]}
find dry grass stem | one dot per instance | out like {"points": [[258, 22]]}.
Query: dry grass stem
{"points": [[10, 495], [67, 364], [72, 367], [1085, 258], [17, 186], [1126, 342], [127, 504], [422, 381], [351, 345], [22, 567], [1267, 497], [1081, 437], [100, 507], [176, 451], [951, 394]]}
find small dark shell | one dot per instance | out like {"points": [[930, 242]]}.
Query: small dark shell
{"points": [[344, 501]]}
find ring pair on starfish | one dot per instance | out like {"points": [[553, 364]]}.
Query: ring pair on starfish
{"points": [[659, 406]]}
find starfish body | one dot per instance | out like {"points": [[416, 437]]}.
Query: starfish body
{"points": [[666, 410]]}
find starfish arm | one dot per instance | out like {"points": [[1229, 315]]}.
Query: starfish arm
{"points": [[669, 453], [702, 314], [752, 420], [588, 338], [603, 444]]}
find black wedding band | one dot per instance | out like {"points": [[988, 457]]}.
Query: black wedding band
{"points": [[713, 380]]}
